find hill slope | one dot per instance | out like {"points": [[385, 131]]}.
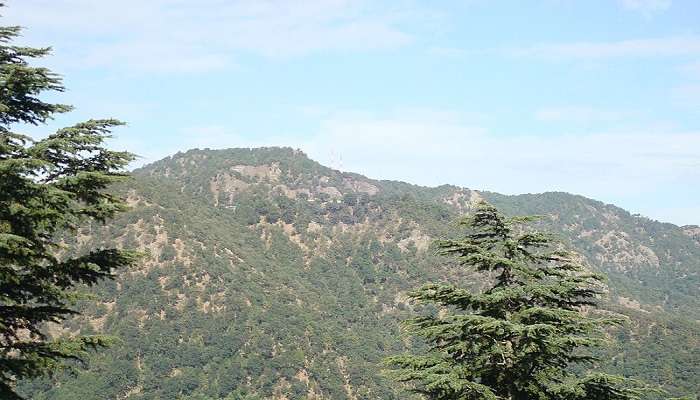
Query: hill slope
{"points": [[272, 276]]}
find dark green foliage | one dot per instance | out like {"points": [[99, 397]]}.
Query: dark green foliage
{"points": [[47, 188], [518, 338], [670, 281], [318, 294]]}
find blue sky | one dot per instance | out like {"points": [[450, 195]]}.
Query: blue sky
{"points": [[599, 98]]}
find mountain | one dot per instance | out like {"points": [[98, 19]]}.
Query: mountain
{"points": [[268, 275], [692, 231]]}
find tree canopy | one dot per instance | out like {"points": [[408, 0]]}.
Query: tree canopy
{"points": [[521, 336], [48, 187]]}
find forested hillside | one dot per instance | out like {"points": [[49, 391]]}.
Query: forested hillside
{"points": [[268, 275]]}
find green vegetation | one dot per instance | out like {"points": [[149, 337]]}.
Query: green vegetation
{"points": [[265, 275], [654, 262], [47, 189], [520, 336], [269, 275]]}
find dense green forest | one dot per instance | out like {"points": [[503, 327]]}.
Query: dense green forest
{"points": [[268, 275], [258, 273]]}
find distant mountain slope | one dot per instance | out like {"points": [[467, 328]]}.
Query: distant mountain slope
{"points": [[269, 275], [692, 231], [653, 262]]}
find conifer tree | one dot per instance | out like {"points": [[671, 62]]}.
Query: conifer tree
{"points": [[518, 338], [47, 188]]}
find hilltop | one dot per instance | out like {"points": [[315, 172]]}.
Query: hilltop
{"points": [[269, 275]]}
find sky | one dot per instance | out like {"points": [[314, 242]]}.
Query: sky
{"points": [[594, 97]]}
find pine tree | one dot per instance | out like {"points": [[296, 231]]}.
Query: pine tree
{"points": [[520, 337], [47, 188]]}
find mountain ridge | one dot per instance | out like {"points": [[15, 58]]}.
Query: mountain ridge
{"points": [[455, 196], [269, 275], [296, 152]]}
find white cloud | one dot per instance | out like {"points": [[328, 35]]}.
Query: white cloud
{"points": [[181, 35], [646, 7], [655, 47], [433, 148], [579, 114], [436, 150]]}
